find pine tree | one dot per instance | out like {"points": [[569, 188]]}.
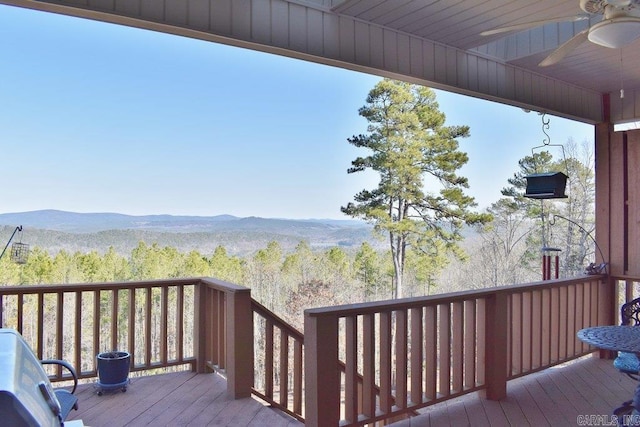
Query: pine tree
{"points": [[409, 146]]}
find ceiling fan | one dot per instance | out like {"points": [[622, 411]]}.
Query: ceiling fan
{"points": [[619, 26]]}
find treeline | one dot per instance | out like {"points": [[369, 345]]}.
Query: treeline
{"points": [[284, 282]]}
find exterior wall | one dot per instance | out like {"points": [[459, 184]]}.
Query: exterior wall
{"points": [[618, 198]]}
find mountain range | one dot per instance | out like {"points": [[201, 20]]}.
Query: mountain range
{"points": [[54, 230]]}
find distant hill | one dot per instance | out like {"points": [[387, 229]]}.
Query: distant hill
{"points": [[54, 230]]}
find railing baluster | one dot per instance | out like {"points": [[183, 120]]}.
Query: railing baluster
{"points": [[385, 362], [444, 349], [297, 376], [416, 355], [564, 322], [147, 327], [131, 337], [59, 330], [180, 323], [351, 368], [221, 323], [20, 323], [164, 315], [284, 368], [40, 310], [96, 326], [545, 337], [430, 351], [554, 328], [481, 340], [268, 359], [470, 344], [114, 320], [457, 346], [368, 368], [401, 358], [77, 351], [536, 329]]}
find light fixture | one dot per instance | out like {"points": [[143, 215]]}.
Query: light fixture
{"points": [[615, 32]]}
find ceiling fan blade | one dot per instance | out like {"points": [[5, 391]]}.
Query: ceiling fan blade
{"points": [[533, 24], [565, 49]]}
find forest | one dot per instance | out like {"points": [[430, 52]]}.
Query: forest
{"points": [[504, 251], [432, 238]]}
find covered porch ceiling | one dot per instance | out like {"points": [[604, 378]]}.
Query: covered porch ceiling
{"points": [[438, 43]]}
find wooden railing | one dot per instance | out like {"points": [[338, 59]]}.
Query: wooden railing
{"points": [[628, 288], [197, 323], [202, 324], [421, 351], [358, 364], [76, 322], [279, 366]]}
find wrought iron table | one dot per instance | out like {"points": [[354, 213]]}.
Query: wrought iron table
{"points": [[618, 338]]}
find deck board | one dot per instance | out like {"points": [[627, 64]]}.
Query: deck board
{"points": [[556, 396]]}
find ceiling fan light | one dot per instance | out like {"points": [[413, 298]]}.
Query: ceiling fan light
{"points": [[615, 32]]}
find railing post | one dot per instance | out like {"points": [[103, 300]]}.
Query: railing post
{"points": [[200, 328], [496, 346], [608, 313], [608, 309], [321, 375], [239, 354]]}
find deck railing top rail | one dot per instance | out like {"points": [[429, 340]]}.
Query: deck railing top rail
{"points": [[85, 287], [415, 302]]}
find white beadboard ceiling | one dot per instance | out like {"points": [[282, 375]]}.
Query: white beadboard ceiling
{"points": [[432, 42]]}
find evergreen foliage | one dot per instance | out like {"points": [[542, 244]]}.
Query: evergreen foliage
{"points": [[419, 201]]}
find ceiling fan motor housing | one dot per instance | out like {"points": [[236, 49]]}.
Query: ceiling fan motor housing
{"points": [[602, 7]]}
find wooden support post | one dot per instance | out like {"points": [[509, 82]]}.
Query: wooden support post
{"points": [[200, 328], [496, 346], [608, 310], [321, 375], [239, 348]]}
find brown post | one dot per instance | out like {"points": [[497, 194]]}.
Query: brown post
{"points": [[321, 375], [239, 354], [200, 328], [496, 346]]}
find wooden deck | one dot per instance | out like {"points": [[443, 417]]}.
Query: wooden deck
{"points": [[178, 399], [556, 396]]}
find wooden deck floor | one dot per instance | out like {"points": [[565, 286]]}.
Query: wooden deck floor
{"points": [[559, 396], [554, 397], [178, 399]]}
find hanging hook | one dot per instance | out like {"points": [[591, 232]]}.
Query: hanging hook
{"points": [[547, 142], [545, 128]]}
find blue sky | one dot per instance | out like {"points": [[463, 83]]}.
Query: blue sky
{"points": [[104, 118]]}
